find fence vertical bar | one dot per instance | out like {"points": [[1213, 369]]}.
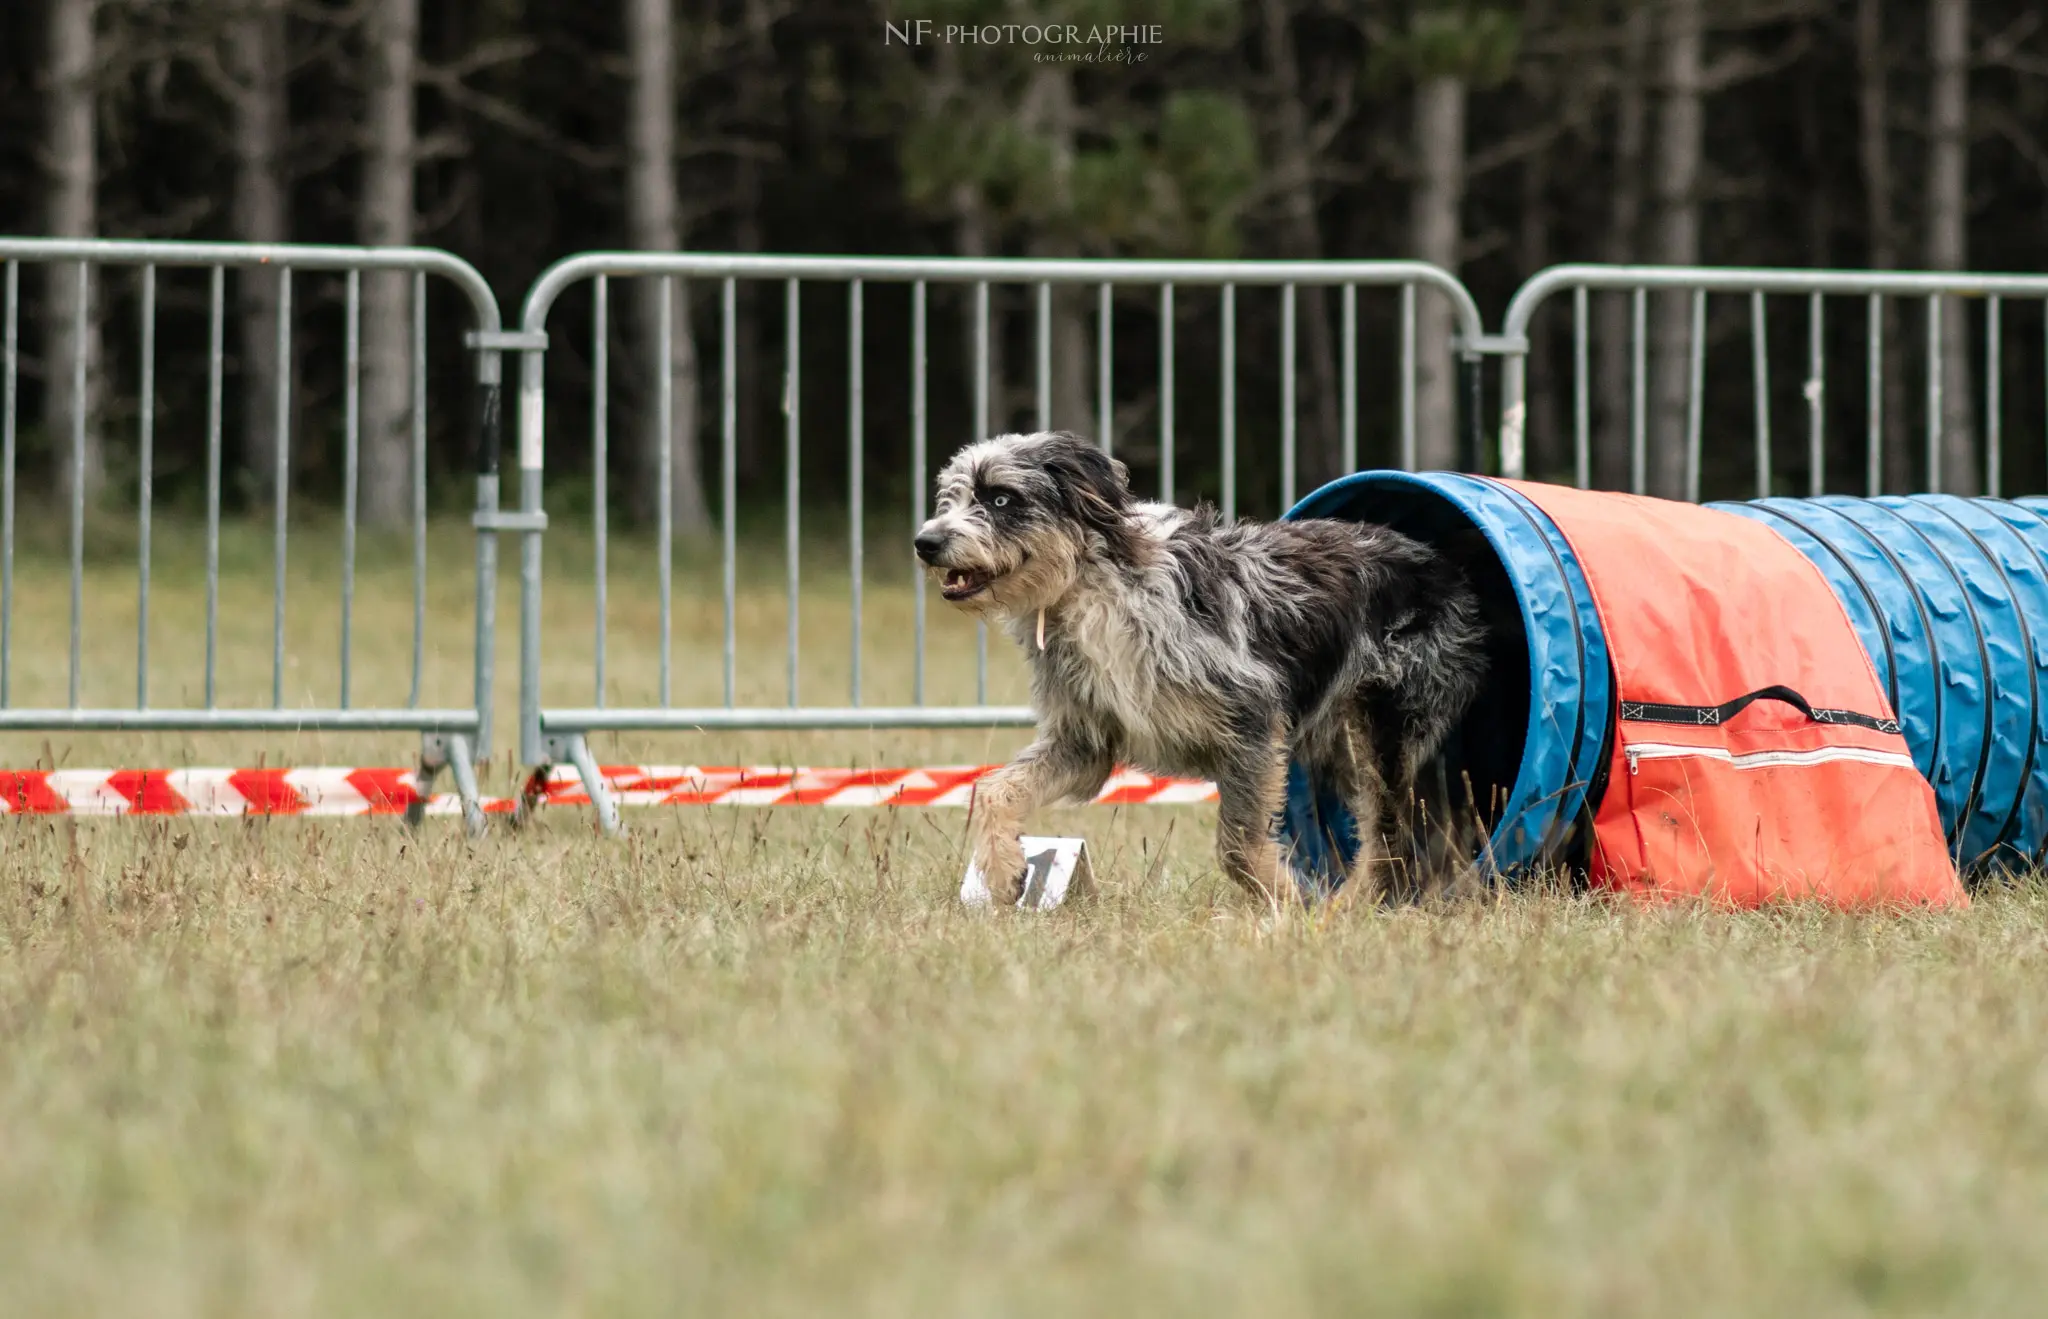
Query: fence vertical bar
{"points": [[1582, 425], [728, 467], [145, 477], [1471, 380], [1230, 402], [1993, 351], [1287, 455], [10, 329], [78, 384], [1105, 357], [215, 337], [280, 480], [792, 468], [1044, 356], [351, 441], [981, 402], [1408, 378], [1934, 386], [1349, 453], [463, 754], [1638, 394], [1696, 357], [1816, 400], [854, 462], [600, 466], [1166, 473], [1873, 386], [664, 470], [533, 401], [419, 497], [1760, 392], [918, 463]]}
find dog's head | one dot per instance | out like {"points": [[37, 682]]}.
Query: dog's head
{"points": [[1019, 515]]}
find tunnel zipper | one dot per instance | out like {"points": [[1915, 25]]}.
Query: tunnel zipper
{"points": [[1642, 751]]}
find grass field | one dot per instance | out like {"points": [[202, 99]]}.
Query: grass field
{"points": [[759, 1062]]}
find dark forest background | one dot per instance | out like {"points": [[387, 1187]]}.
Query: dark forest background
{"points": [[1492, 139]]}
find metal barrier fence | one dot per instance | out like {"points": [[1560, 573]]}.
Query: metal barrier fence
{"points": [[453, 738], [1697, 283], [556, 735]]}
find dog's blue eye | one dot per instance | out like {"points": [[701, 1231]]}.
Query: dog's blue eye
{"points": [[1000, 501]]}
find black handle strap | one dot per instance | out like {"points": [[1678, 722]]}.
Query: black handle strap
{"points": [[1649, 712]]}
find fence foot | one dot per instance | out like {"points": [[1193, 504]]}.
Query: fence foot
{"points": [[531, 794], [463, 767], [451, 752], [577, 752], [432, 756]]}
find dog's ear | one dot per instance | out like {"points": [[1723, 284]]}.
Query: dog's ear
{"points": [[1097, 488], [1119, 475]]}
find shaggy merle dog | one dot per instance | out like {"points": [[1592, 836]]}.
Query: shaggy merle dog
{"points": [[1167, 640]]}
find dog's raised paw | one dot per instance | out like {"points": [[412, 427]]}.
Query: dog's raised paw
{"points": [[1002, 866]]}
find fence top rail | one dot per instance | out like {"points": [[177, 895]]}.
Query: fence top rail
{"points": [[557, 721], [223, 720], [995, 270], [1737, 279], [291, 256]]}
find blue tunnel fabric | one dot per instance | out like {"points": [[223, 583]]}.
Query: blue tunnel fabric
{"points": [[1949, 597], [2029, 569], [1886, 590], [2002, 587], [1968, 730], [1962, 586]]}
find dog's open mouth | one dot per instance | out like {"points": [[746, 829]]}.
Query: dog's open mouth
{"points": [[964, 583]]}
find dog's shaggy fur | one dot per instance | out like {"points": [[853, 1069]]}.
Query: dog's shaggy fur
{"points": [[1164, 639]]}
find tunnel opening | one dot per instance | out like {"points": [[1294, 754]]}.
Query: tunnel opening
{"points": [[1516, 778]]}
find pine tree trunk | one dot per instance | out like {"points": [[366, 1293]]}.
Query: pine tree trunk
{"points": [[1073, 363], [1436, 235], [1881, 224], [1321, 455], [971, 239], [1549, 455], [387, 217], [1614, 318], [73, 331], [1947, 234], [257, 54], [656, 226], [754, 446], [1051, 110], [1679, 150]]}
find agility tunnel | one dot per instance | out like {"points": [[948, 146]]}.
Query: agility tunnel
{"points": [[1947, 599]]}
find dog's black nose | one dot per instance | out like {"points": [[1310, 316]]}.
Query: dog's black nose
{"points": [[928, 545]]}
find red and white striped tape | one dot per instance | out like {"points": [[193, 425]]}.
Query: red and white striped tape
{"points": [[707, 785], [220, 792], [237, 792]]}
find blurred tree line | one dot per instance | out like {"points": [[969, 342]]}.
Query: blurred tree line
{"points": [[1490, 138]]}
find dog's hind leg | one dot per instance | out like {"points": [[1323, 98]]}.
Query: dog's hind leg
{"points": [[1364, 788], [1049, 769], [1249, 788]]}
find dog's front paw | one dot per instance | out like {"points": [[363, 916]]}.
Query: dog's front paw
{"points": [[1000, 859]]}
